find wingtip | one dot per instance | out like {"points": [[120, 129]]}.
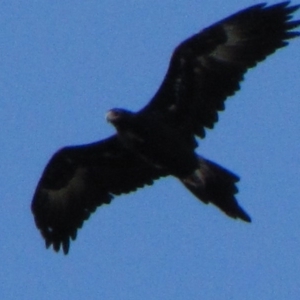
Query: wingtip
{"points": [[244, 216], [66, 246], [291, 9]]}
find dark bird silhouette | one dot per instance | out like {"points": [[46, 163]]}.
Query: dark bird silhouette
{"points": [[160, 139]]}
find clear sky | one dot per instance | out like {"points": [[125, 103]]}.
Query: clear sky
{"points": [[63, 64]]}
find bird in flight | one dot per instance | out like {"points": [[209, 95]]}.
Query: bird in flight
{"points": [[160, 139]]}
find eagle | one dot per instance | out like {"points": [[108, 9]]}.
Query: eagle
{"points": [[160, 139]]}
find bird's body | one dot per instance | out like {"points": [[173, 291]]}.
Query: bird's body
{"points": [[160, 139], [155, 142]]}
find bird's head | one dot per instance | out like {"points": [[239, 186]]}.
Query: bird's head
{"points": [[118, 116]]}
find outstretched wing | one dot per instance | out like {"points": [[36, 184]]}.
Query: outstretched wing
{"points": [[79, 179], [208, 67]]}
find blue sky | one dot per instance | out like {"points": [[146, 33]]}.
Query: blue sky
{"points": [[63, 64]]}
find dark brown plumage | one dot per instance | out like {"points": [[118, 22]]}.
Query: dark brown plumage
{"points": [[159, 140]]}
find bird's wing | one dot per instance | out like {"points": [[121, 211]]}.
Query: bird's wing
{"points": [[208, 67], [79, 179]]}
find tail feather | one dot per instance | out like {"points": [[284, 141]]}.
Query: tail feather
{"points": [[213, 183]]}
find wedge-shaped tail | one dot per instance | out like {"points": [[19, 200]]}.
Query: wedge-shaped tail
{"points": [[212, 183]]}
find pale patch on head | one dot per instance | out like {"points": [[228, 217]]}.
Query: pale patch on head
{"points": [[112, 115]]}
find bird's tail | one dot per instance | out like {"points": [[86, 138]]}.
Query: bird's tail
{"points": [[212, 183]]}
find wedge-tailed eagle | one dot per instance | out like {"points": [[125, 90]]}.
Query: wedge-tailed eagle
{"points": [[160, 139]]}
